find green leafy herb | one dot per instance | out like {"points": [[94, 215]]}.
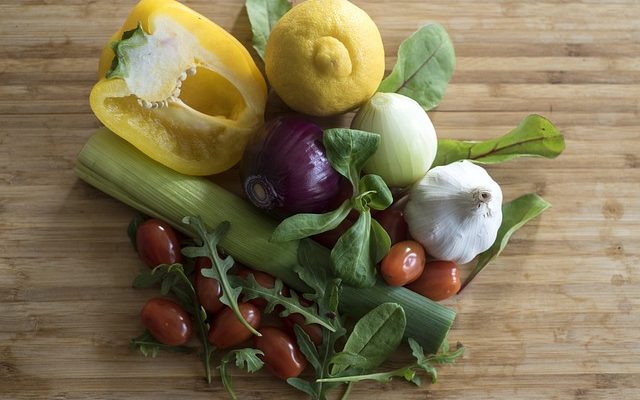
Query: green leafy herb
{"points": [[313, 269], [535, 136], [291, 304], [246, 359], [173, 279], [263, 16], [149, 346], [375, 336], [515, 214], [423, 362], [304, 225], [365, 243], [425, 64], [220, 266], [132, 229]]}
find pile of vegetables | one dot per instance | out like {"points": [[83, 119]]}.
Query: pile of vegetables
{"points": [[346, 238]]}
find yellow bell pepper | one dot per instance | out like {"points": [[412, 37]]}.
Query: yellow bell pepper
{"points": [[179, 88]]}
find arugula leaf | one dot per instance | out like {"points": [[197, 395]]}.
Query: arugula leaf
{"points": [[304, 386], [348, 150], [375, 336], [515, 214], [535, 136], [252, 289], [219, 266], [423, 362], [426, 61], [172, 278], [246, 359], [263, 16], [132, 229], [351, 255], [149, 346], [304, 225]]}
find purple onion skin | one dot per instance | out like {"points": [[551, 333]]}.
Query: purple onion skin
{"points": [[284, 169]]}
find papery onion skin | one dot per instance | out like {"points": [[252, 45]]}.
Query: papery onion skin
{"points": [[408, 141], [285, 171]]}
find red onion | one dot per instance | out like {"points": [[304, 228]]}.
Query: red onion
{"points": [[285, 171]]}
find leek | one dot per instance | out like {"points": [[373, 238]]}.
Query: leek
{"points": [[115, 167]]}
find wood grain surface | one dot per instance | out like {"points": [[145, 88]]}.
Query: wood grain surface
{"points": [[557, 316]]}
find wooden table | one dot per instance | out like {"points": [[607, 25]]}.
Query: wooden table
{"points": [[556, 317]]}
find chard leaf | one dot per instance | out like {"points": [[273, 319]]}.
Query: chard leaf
{"points": [[263, 16], [535, 136], [375, 336], [426, 61], [515, 214], [304, 225], [246, 359], [351, 255], [274, 297]]}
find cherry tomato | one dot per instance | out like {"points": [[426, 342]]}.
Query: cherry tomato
{"points": [[157, 243], [226, 331], [328, 239], [167, 321], [264, 280], [392, 220], [313, 330], [207, 289], [440, 280], [403, 264], [281, 354]]}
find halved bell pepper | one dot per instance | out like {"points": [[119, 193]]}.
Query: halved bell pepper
{"points": [[179, 88]]}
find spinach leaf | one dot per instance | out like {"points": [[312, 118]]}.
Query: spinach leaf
{"points": [[351, 255], [515, 214], [374, 192], [304, 225], [246, 359], [263, 16], [380, 241], [348, 150], [425, 64], [535, 136], [219, 266], [423, 362], [375, 336], [274, 297]]}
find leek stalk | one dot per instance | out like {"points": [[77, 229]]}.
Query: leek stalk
{"points": [[115, 167]]}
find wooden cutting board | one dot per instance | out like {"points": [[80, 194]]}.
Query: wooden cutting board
{"points": [[557, 316]]}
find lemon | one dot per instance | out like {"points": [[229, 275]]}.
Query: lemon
{"points": [[325, 57]]}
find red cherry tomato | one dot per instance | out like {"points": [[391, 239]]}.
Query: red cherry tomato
{"points": [[226, 331], [404, 263], [281, 354], [313, 330], [440, 280], [264, 280], [207, 289], [328, 239], [167, 321], [157, 243], [392, 220]]}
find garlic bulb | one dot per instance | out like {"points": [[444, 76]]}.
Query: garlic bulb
{"points": [[408, 141], [455, 211]]}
